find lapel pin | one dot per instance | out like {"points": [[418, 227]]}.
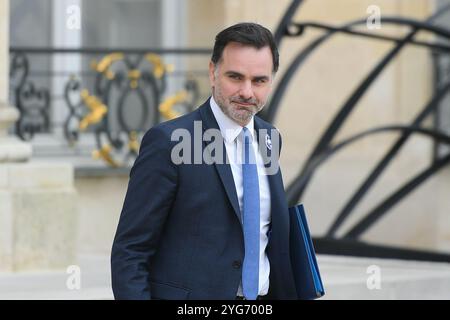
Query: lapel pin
{"points": [[268, 142]]}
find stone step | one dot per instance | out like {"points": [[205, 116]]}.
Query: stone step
{"points": [[357, 278], [95, 276], [343, 278]]}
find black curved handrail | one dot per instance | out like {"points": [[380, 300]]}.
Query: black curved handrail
{"points": [[286, 20], [301, 26], [271, 110], [387, 158], [349, 105], [297, 189], [323, 150], [387, 204], [318, 160]]}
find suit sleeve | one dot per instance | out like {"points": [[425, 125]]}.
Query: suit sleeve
{"points": [[150, 194]]}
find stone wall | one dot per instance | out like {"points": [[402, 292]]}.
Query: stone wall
{"points": [[38, 204]]}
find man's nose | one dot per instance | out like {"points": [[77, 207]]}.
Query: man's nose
{"points": [[246, 90]]}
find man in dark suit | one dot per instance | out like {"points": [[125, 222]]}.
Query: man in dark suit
{"points": [[205, 217]]}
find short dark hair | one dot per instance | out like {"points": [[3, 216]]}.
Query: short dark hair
{"points": [[246, 33]]}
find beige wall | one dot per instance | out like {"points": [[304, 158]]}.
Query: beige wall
{"points": [[319, 90], [101, 200]]}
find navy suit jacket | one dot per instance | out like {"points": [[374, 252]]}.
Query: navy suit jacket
{"points": [[180, 232]]}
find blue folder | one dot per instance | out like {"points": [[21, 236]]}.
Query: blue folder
{"points": [[303, 257]]}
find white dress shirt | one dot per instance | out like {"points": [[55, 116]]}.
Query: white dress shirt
{"points": [[230, 131]]}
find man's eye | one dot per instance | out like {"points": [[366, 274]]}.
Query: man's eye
{"points": [[234, 76]]}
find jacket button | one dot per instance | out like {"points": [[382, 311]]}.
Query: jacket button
{"points": [[237, 264]]}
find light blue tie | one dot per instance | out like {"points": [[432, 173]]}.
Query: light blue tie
{"points": [[250, 271]]}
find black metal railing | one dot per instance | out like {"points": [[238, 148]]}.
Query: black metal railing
{"points": [[115, 96], [351, 243]]}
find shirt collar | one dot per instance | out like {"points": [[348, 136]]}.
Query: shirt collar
{"points": [[228, 127]]}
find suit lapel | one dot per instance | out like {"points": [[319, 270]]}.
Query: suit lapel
{"points": [[223, 169], [262, 142], [275, 180]]}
